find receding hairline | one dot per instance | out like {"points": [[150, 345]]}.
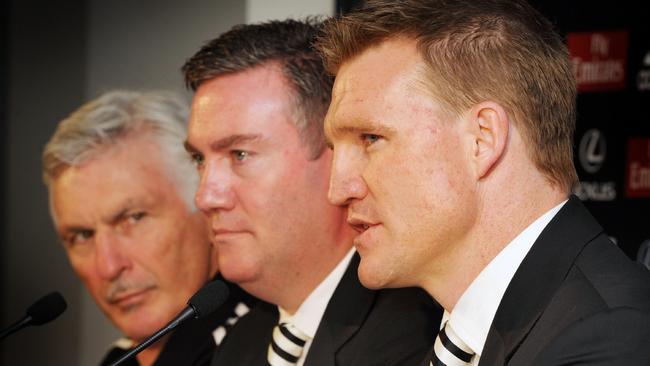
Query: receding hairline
{"points": [[140, 132]]}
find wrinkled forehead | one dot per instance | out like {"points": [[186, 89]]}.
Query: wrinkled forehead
{"points": [[132, 175]]}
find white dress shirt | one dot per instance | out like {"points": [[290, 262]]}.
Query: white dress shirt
{"points": [[309, 314], [472, 316]]}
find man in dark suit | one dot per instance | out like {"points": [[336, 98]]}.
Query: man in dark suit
{"points": [[452, 125], [256, 136]]}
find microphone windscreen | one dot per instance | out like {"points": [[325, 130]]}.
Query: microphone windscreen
{"points": [[209, 298], [47, 308]]}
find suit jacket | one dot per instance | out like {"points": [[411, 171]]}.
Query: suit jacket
{"points": [[192, 343], [359, 327], [575, 299]]}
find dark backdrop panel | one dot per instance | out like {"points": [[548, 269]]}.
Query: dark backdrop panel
{"points": [[609, 44], [44, 81], [3, 139]]}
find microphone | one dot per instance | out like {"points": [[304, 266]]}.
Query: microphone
{"points": [[205, 301], [44, 310]]}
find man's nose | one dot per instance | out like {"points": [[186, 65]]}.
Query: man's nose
{"points": [[110, 256], [215, 189], [346, 181]]}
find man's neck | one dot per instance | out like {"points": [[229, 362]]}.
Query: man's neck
{"points": [[498, 223], [289, 288], [293, 301]]}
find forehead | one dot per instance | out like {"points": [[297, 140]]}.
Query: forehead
{"points": [[256, 100], [380, 84], [133, 172], [397, 59]]}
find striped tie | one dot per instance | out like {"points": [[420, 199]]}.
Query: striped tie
{"points": [[286, 345], [450, 350]]}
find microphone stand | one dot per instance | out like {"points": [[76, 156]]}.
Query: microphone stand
{"points": [[15, 327], [203, 302], [187, 313]]}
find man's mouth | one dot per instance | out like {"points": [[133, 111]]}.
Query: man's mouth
{"points": [[226, 232], [129, 298], [360, 225], [120, 293]]}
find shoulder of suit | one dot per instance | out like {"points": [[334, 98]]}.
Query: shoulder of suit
{"points": [[618, 281]]}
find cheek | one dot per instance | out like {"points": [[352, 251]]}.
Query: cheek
{"points": [[398, 181], [197, 254], [94, 286], [84, 267], [271, 197], [418, 186], [186, 247], [93, 283], [154, 251]]}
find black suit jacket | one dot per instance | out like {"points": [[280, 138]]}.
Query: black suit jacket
{"points": [[360, 327], [575, 299]]}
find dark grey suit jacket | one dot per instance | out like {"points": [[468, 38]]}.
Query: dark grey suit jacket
{"points": [[575, 299], [360, 327]]}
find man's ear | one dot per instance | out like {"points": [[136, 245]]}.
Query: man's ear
{"points": [[488, 123]]}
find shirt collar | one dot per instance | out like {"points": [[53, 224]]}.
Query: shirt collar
{"points": [[473, 314], [309, 314]]}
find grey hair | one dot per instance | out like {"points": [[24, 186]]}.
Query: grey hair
{"points": [[103, 122]]}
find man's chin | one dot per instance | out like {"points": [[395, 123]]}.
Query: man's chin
{"points": [[138, 323], [140, 330], [371, 276], [239, 273]]}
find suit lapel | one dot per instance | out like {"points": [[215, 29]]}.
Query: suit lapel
{"points": [[345, 313], [248, 341], [537, 279], [267, 320]]}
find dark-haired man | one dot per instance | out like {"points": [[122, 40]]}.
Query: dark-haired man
{"points": [[256, 136]]}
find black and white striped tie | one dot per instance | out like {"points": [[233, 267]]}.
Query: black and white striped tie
{"points": [[450, 350], [286, 345]]}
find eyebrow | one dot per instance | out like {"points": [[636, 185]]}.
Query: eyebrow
{"points": [[224, 143], [128, 205], [112, 219], [63, 232], [117, 217], [359, 127]]}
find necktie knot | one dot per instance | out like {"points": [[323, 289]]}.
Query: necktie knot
{"points": [[450, 350], [286, 346]]}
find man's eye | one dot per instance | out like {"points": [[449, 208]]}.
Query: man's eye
{"points": [[135, 217], [240, 155], [197, 159], [369, 138], [128, 221], [79, 237]]}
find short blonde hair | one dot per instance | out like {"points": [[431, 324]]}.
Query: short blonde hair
{"points": [[499, 50]]}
